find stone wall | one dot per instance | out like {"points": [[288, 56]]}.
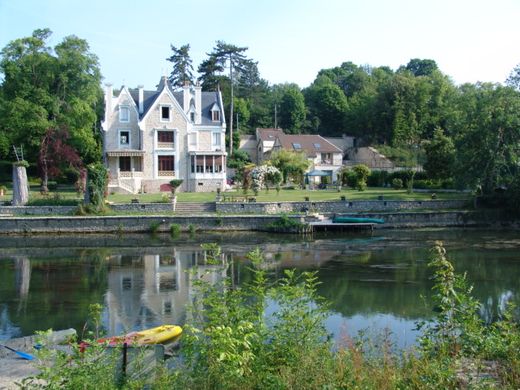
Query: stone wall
{"points": [[226, 208], [120, 224], [37, 210], [139, 224], [337, 206]]}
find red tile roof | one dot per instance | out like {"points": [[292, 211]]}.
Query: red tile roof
{"points": [[309, 143], [268, 134]]}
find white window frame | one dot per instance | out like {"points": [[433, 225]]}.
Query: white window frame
{"points": [[127, 109], [129, 138], [196, 137], [169, 113], [214, 137], [174, 131], [215, 115]]}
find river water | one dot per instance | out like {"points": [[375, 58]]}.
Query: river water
{"points": [[376, 282]]}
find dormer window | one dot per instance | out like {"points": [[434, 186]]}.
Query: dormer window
{"points": [[192, 116], [165, 113], [215, 112], [124, 114]]}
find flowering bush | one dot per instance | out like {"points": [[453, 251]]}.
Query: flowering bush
{"points": [[264, 175]]}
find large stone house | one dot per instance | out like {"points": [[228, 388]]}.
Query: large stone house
{"points": [[152, 137]]}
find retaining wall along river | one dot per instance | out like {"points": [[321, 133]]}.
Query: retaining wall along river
{"points": [[212, 222]]}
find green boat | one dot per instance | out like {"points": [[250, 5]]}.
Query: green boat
{"points": [[340, 219]]}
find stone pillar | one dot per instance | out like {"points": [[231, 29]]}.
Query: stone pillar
{"points": [[20, 186]]}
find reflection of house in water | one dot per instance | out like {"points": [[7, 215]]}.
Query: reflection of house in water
{"points": [[152, 289]]}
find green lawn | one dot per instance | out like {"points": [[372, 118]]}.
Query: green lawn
{"points": [[295, 195], [285, 195]]}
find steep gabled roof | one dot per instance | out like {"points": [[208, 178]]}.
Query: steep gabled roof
{"points": [[208, 99], [309, 143]]}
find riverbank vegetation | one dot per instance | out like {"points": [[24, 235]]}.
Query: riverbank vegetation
{"points": [[231, 342]]}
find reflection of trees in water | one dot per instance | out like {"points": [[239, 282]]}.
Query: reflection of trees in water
{"points": [[144, 286], [369, 283], [50, 293]]}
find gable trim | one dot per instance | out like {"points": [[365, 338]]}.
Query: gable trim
{"points": [[174, 103]]}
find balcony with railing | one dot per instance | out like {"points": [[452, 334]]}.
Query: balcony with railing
{"points": [[165, 145], [166, 173]]}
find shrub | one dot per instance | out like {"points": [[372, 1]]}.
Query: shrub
{"points": [[69, 176], [89, 209], [397, 183], [230, 340], [362, 172], [97, 181], [175, 183], [377, 179], [154, 227], [175, 229], [52, 185], [55, 200], [287, 225]]}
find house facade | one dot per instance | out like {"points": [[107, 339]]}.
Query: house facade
{"points": [[325, 157], [152, 137]]}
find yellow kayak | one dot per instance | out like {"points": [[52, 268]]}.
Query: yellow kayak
{"points": [[158, 335]]}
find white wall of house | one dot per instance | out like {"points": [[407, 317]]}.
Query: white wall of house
{"points": [[125, 134]]}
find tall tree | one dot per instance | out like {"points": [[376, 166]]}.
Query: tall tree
{"points": [[55, 155], [227, 55], [182, 71], [487, 136], [420, 67], [292, 110], [210, 73], [514, 78], [327, 103], [440, 155], [291, 164], [51, 88]]}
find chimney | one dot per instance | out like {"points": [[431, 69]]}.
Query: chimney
{"points": [[108, 100], [198, 104], [141, 98], [186, 97]]}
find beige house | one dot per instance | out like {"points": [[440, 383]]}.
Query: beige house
{"points": [[152, 137], [325, 157]]}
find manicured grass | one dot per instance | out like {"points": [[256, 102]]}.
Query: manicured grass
{"points": [[293, 195], [285, 195]]}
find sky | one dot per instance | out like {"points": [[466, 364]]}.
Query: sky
{"points": [[471, 40]]}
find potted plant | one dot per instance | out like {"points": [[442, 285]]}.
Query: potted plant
{"points": [[175, 183]]}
